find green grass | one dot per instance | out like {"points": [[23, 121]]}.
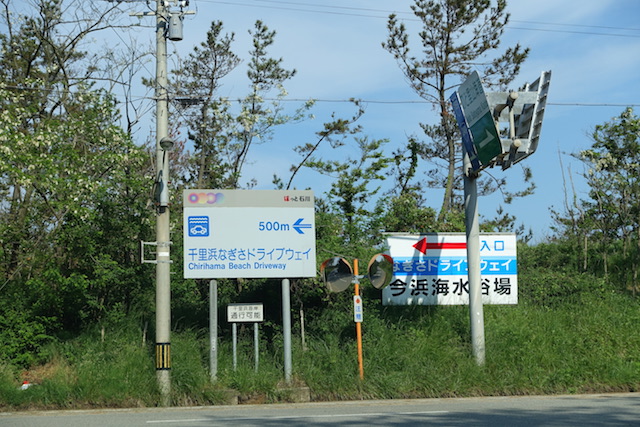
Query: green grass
{"points": [[589, 345]]}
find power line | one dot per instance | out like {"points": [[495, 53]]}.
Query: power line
{"points": [[387, 12], [405, 102], [327, 101], [328, 12], [288, 5], [590, 104], [590, 33], [333, 6], [576, 25]]}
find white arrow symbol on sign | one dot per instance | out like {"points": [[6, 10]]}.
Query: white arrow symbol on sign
{"points": [[487, 139]]}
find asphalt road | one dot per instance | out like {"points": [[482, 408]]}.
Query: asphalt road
{"points": [[620, 409]]}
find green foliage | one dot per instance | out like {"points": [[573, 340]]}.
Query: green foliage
{"points": [[73, 207], [352, 189], [606, 226], [73, 190], [550, 276], [333, 133], [23, 336], [425, 351], [191, 381], [575, 348], [115, 370], [547, 288], [405, 214], [223, 136], [504, 222]]}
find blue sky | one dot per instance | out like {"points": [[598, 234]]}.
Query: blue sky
{"points": [[592, 48]]}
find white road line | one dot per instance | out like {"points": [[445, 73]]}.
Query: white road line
{"points": [[290, 417]]}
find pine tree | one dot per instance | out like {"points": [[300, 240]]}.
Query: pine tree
{"points": [[456, 37]]}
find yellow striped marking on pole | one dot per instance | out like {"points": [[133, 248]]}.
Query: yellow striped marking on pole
{"points": [[163, 356]]}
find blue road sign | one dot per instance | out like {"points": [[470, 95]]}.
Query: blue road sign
{"points": [[479, 120], [467, 142]]}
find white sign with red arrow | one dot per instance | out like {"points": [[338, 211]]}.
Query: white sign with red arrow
{"points": [[431, 269]]}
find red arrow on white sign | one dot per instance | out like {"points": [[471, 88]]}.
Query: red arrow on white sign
{"points": [[423, 246]]}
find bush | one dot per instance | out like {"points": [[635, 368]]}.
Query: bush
{"points": [[23, 337], [550, 288]]}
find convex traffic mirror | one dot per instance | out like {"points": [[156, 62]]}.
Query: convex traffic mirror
{"points": [[337, 274], [380, 270]]}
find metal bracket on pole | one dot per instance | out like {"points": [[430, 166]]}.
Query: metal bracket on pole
{"points": [[141, 14], [143, 260], [286, 329], [500, 128], [151, 13], [522, 120]]}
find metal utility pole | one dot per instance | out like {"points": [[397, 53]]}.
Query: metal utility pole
{"points": [[478, 116], [213, 329], [476, 310], [286, 328]]}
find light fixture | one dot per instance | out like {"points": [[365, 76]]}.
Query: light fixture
{"points": [[166, 144]]}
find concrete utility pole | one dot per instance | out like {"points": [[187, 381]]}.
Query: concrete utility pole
{"points": [[163, 260], [168, 25]]}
